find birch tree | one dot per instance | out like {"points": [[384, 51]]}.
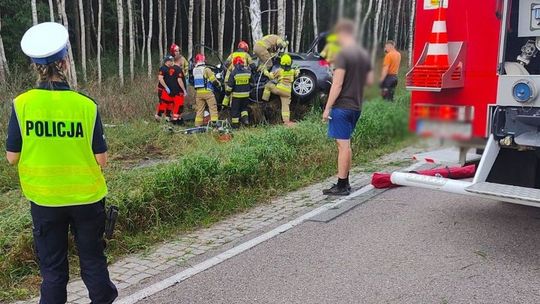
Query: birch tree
{"points": [[100, 13], [165, 35], [143, 34], [315, 24], [4, 70], [34, 12], [160, 28], [62, 12], [255, 15], [364, 21], [51, 10], [175, 16], [396, 25], [149, 42], [131, 40], [376, 28], [358, 16], [190, 29], [120, 13], [222, 26], [203, 24], [83, 40], [233, 40], [241, 31], [340, 8], [269, 19], [300, 23], [282, 17], [411, 31]]}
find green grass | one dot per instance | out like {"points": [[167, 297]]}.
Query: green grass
{"points": [[198, 180]]}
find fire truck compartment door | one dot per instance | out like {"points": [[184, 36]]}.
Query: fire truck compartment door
{"points": [[514, 68]]}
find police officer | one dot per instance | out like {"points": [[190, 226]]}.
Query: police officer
{"points": [[56, 138], [281, 85], [243, 53], [239, 87]]}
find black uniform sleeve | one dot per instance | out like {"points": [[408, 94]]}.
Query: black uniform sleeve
{"points": [[14, 138], [99, 145]]}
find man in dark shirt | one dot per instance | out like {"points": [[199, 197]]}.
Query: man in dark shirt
{"points": [[344, 105], [14, 139]]}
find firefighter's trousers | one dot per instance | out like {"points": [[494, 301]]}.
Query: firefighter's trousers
{"points": [[203, 98], [264, 56], [239, 109], [284, 94]]}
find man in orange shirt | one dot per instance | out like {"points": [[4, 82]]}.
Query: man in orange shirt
{"points": [[390, 70]]}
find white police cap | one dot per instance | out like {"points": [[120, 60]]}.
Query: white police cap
{"points": [[45, 43]]}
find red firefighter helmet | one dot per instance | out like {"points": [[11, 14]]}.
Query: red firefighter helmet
{"points": [[238, 60], [200, 58], [173, 48], [243, 45]]}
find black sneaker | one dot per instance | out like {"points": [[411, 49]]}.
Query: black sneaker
{"points": [[338, 191]]}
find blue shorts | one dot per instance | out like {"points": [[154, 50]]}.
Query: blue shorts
{"points": [[342, 124]]}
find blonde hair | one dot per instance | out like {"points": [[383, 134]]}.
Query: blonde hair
{"points": [[48, 72]]}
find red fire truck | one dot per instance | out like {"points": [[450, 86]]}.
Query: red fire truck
{"points": [[476, 80]]}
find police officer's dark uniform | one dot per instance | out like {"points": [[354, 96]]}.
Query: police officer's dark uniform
{"points": [[57, 132]]}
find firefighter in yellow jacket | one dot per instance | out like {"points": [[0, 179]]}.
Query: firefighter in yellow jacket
{"points": [[281, 85], [265, 49], [331, 49], [242, 52], [204, 81]]}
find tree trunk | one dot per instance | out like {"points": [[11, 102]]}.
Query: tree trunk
{"points": [[100, 12], [3, 62], [175, 16], [340, 8], [411, 32], [269, 17], [358, 16], [300, 24], [315, 24], [222, 13], [120, 13], [293, 24], [83, 39], [190, 29], [165, 35], [364, 21], [34, 12], [255, 16], [73, 71], [160, 28], [143, 34], [131, 40], [233, 40], [203, 24], [149, 42], [51, 10], [376, 29], [396, 25], [282, 17], [241, 31]]}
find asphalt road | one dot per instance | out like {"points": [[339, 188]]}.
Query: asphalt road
{"points": [[404, 246]]}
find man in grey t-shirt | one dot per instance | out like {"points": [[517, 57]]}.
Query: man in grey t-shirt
{"points": [[344, 105]]}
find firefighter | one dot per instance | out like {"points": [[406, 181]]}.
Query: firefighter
{"points": [[239, 87], [166, 80], [55, 136], [204, 81], [281, 85], [267, 47], [179, 59], [331, 49], [242, 52]]}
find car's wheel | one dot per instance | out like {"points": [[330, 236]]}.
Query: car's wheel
{"points": [[304, 86]]}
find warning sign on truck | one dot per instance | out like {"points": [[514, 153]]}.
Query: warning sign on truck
{"points": [[435, 4]]}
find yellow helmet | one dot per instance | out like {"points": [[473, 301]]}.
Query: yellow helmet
{"points": [[286, 60], [332, 38]]}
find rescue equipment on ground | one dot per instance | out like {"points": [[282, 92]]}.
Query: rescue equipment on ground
{"points": [[382, 180]]}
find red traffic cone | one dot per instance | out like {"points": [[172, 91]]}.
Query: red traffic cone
{"points": [[437, 54]]}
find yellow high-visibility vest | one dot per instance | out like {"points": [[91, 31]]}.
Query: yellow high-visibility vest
{"points": [[57, 166]]}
